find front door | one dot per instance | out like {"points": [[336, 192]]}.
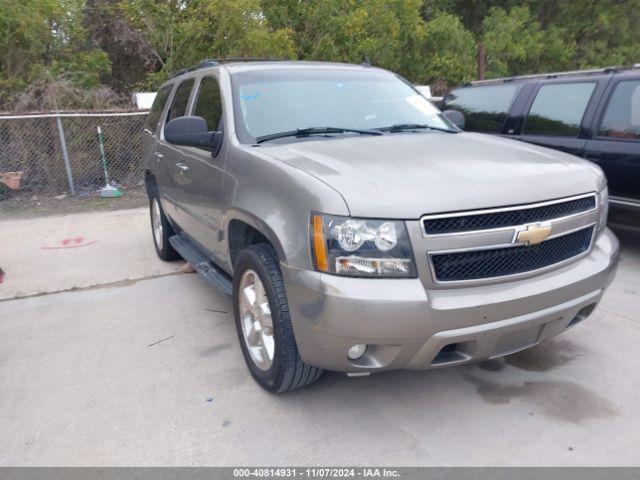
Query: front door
{"points": [[202, 195]]}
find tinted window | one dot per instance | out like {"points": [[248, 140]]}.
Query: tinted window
{"points": [[485, 108], [208, 104], [622, 117], [157, 107], [179, 105], [558, 109]]}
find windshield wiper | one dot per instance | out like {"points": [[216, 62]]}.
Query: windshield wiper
{"points": [[401, 127], [299, 132]]}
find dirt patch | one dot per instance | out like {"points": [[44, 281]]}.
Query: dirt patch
{"points": [[209, 352], [36, 206]]}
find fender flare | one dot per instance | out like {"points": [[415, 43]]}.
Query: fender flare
{"points": [[257, 223]]}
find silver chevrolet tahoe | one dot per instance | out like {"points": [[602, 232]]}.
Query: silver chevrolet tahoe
{"points": [[357, 229]]}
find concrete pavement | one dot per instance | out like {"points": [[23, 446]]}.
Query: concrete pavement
{"points": [[60, 252], [149, 372]]}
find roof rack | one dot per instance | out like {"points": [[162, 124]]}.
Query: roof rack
{"points": [[593, 71], [214, 62]]}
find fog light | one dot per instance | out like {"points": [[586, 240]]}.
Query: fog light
{"points": [[356, 351]]}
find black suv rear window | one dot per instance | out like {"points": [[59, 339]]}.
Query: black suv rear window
{"points": [[558, 109], [485, 108]]}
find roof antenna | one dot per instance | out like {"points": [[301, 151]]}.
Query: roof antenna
{"points": [[365, 61]]}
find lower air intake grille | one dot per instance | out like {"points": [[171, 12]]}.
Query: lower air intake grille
{"points": [[498, 262]]}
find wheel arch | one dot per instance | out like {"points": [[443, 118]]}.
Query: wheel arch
{"points": [[243, 229]]}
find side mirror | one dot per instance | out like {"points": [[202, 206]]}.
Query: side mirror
{"points": [[456, 117], [192, 132]]}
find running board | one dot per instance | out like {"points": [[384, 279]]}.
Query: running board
{"points": [[201, 264], [624, 202]]}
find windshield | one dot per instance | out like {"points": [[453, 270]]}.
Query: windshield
{"points": [[273, 101]]}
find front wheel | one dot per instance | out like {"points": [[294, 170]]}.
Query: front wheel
{"points": [[264, 325]]}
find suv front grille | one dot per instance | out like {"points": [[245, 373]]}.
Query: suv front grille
{"points": [[508, 218], [497, 262]]}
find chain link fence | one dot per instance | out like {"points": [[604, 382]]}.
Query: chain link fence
{"points": [[59, 153]]}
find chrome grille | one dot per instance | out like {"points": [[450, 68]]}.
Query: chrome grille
{"points": [[511, 260], [500, 218]]}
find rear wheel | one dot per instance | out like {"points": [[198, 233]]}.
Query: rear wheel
{"points": [[161, 229], [264, 324]]}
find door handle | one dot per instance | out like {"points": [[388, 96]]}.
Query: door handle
{"points": [[182, 167], [158, 156]]}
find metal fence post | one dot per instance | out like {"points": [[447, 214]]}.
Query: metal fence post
{"points": [[65, 156]]}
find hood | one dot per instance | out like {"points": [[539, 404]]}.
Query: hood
{"points": [[407, 175]]}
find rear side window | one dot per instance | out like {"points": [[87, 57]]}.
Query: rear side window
{"points": [[180, 100], [485, 108], [622, 116], [208, 104], [558, 109], [157, 107]]}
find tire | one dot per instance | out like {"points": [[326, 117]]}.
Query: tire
{"points": [[286, 371], [160, 236]]}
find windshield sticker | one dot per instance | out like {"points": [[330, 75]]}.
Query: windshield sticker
{"points": [[250, 97], [420, 103]]}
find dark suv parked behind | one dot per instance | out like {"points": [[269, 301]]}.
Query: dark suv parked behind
{"points": [[594, 114]]}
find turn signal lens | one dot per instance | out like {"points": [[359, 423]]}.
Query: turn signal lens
{"points": [[319, 244]]}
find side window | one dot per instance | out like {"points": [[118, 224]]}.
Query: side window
{"points": [[157, 107], [180, 100], [208, 103], [485, 107], [558, 109], [622, 116]]}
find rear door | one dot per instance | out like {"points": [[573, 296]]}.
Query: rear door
{"points": [[153, 119], [152, 157], [556, 111], [615, 144], [173, 177]]}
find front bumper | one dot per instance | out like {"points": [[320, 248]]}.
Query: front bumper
{"points": [[408, 326]]}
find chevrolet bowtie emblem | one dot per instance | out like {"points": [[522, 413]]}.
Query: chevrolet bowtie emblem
{"points": [[533, 234]]}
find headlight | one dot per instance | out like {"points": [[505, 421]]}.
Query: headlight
{"points": [[603, 209], [361, 248]]}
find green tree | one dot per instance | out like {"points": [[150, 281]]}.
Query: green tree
{"points": [[387, 32], [449, 50], [42, 41], [180, 34]]}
